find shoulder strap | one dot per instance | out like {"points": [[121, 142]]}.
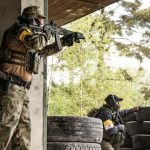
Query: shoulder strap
{"points": [[106, 109]]}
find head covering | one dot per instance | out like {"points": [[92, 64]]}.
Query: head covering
{"points": [[113, 97], [32, 12], [112, 100]]}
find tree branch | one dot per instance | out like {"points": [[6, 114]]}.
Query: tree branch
{"points": [[122, 38]]}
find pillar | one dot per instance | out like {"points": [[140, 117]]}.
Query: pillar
{"points": [[9, 11]]}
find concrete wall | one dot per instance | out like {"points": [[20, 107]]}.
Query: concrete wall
{"points": [[8, 7], [36, 95], [36, 105], [9, 11]]}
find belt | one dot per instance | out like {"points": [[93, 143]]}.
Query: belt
{"points": [[16, 80]]}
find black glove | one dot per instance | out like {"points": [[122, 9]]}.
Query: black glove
{"points": [[137, 108], [68, 40]]}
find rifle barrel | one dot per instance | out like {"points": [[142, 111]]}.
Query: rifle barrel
{"points": [[57, 30]]}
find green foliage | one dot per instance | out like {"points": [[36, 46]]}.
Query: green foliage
{"points": [[133, 21], [90, 80]]}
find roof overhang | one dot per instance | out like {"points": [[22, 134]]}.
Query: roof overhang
{"points": [[65, 11]]}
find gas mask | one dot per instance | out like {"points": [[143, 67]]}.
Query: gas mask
{"points": [[113, 102]]}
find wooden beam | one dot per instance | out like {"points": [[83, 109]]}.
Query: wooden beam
{"points": [[87, 2], [65, 11]]}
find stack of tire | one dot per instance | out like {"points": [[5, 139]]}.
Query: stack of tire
{"points": [[74, 133], [139, 130]]}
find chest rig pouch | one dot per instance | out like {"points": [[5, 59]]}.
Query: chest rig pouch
{"points": [[33, 61], [29, 59]]}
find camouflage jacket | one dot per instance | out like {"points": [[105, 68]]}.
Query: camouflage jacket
{"points": [[18, 40]]}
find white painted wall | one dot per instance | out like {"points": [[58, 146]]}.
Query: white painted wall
{"points": [[36, 94]]}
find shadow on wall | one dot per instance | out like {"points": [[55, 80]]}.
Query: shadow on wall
{"points": [[9, 11]]}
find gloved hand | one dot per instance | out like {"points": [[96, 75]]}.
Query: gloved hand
{"points": [[68, 40], [48, 34], [137, 108], [121, 127]]}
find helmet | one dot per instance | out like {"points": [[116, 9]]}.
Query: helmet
{"points": [[113, 101], [32, 12]]}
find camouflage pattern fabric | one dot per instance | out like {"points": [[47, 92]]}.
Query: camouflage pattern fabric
{"points": [[32, 12], [15, 119], [106, 145]]}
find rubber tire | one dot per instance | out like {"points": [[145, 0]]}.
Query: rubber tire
{"points": [[131, 117], [143, 114], [135, 127], [141, 141], [72, 146], [74, 129]]}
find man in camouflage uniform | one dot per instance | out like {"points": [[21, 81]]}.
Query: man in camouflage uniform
{"points": [[113, 126], [20, 46]]}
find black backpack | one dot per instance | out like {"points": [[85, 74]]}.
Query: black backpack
{"points": [[93, 112]]}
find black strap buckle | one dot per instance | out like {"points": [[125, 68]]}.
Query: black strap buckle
{"points": [[16, 80]]}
